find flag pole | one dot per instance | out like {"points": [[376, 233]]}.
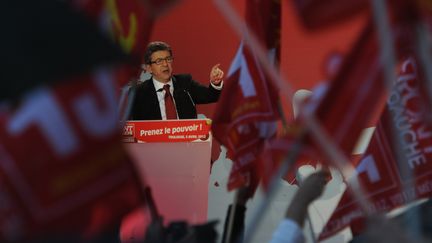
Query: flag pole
{"points": [[385, 39], [231, 219], [309, 219], [423, 51], [283, 117]]}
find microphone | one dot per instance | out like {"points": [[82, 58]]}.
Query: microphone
{"points": [[190, 97]]}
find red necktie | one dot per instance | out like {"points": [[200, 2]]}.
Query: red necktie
{"points": [[170, 109]]}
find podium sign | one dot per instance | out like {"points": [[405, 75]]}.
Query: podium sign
{"points": [[167, 131]]}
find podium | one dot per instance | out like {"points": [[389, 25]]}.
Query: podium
{"points": [[173, 158]]}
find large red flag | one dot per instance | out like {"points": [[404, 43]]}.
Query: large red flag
{"points": [[63, 169], [385, 183], [247, 110]]}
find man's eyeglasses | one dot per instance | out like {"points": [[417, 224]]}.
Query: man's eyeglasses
{"points": [[159, 61]]}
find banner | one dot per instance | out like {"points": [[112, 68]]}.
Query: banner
{"points": [[387, 185], [167, 131]]}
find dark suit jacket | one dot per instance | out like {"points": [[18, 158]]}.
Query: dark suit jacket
{"points": [[187, 93]]}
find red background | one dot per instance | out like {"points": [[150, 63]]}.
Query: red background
{"points": [[201, 37]]}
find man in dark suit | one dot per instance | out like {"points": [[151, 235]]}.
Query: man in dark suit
{"points": [[167, 96]]}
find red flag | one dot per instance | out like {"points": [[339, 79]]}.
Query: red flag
{"points": [[247, 109], [239, 121], [355, 98], [378, 170], [63, 169], [350, 103]]}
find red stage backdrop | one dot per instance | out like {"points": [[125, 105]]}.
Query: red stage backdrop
{"points": [[201, 37]]}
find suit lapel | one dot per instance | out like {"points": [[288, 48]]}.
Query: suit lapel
{"points": [[178, 97], [151, 101]]}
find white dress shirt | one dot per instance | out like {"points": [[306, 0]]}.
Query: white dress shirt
{"points": [[161, 96]]}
